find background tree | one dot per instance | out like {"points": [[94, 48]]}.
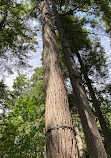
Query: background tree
{"points": [[87, 118], [92, 62], [17, 37], [23, 122]]}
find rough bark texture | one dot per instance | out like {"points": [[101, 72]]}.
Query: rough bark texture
{"points": [[96, 105], [92, 136], [60, 137]]}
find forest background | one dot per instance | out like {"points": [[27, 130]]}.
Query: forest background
{"points": [[22, 134]]}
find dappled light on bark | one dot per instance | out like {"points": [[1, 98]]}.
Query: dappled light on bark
{"points": [[60, 142]]}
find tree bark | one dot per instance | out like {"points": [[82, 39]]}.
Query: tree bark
{"points": [[92, 136], [60, 136], [96, 105], [78, 138]]}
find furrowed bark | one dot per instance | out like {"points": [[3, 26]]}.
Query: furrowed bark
{"points": [[60, 137], [92, 136]]}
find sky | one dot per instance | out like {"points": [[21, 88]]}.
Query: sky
{"points": [[35, 60], [104, 39]]}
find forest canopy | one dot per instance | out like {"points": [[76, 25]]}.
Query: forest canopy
{"points": [[62, 108]]}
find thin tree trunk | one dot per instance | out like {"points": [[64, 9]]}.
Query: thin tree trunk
{"points": [[92, 136], [96, 105], [79, 142], [78, 138], [60, 137]]}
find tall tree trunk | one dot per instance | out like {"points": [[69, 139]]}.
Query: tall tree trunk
{"points": [[96, 105], [92, 136], [60, 136]]}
